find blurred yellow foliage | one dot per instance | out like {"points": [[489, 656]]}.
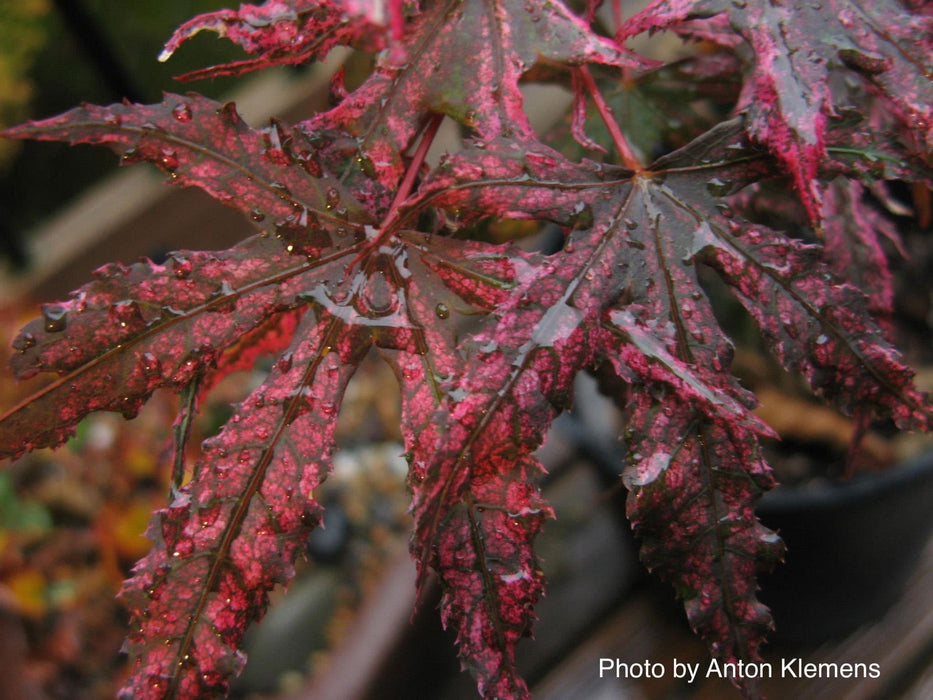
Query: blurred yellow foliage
{"points": [[30, 591]]}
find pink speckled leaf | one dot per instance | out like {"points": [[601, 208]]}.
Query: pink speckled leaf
{"points": [[463, 59], [288, 32], [626, 287], [490, 535], [693, 483], [473, 469], [797, 47], [476, 501], [677, 213], [145, 326], [854, 232], [271, 174], [234, 532]]}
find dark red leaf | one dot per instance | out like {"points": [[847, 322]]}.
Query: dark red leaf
{"points": [[463, 59], [693, 484], [855, 232], [233, 533], [796, 48], [272, 175], [286, 32], [636, 257], [138, 328]]}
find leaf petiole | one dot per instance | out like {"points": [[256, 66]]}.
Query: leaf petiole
{"points": [[629, 159], [405, 188], [187, 411]]}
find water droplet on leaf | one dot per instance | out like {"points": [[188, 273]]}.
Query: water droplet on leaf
{"points": [[150, 364], [168, 159], [718, 187], [182, 113], [24, 342], [55, 316], [366, 165], [126, 314], [181, 267], [285, 363]]}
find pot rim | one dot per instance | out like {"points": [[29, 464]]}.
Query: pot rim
{"points": [[832, 493]]}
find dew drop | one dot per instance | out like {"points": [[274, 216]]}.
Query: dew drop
{"points": [[244, 456], [257, 215], [25, 341], [333, 198], [309, 163], [168, 159], [442, 311], [182, 113], [285, 363], [150, 364], [366, 165], [128, 409], [718, 187], [56, 318], [181, 267]]}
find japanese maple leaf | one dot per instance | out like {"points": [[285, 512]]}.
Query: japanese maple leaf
{"points": [[625, 289], [463, 58], [796, 47], [287, 32]]}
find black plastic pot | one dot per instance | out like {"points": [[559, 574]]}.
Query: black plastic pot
{"points": [[851, 547]]}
